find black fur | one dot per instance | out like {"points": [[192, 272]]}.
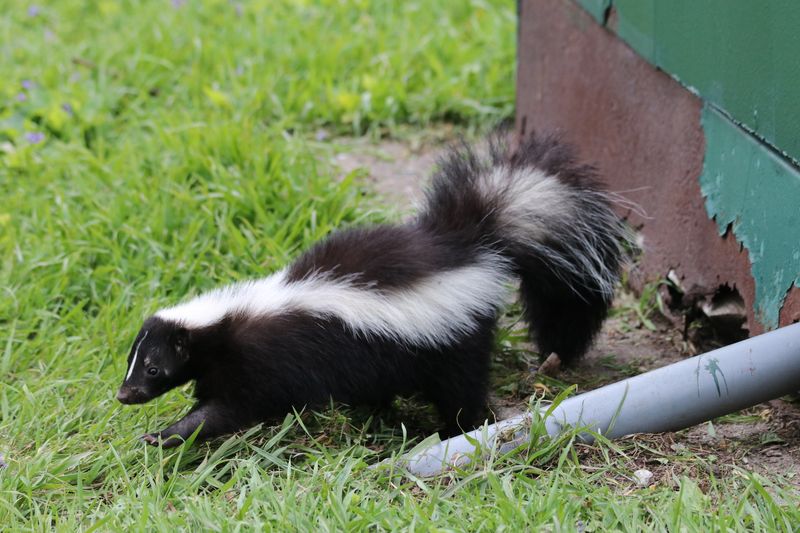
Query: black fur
{"points": [[383, 256], [250, 369]]}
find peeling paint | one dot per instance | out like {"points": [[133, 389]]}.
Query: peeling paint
{"points": [[750, 190], [596, 8], [739, 58], [648, 138]]}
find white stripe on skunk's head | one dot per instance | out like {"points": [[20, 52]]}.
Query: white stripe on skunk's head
{"points": [[158, 361]]}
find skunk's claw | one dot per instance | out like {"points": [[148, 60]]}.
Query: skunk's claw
{"points": [[157, 439], [150, 439]]}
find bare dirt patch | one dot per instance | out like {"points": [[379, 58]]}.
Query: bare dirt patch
{"points": [[395, 169], [763, 439]]}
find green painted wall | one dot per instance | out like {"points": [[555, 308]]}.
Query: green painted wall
{"points": [[636, 25], [757, 193], [742, 55]]}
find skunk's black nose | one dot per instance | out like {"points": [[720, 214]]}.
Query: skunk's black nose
{"points": [[126, 395]]}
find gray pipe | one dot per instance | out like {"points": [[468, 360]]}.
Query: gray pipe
{"points": [[666, 399]]}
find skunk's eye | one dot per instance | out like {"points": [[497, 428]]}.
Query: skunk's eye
{"points": [[152, 371]]}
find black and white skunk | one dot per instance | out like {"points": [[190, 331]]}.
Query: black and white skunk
{"points": [[371, 313]]}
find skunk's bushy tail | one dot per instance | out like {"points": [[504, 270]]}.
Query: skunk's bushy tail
{"points": [[545, 212]]}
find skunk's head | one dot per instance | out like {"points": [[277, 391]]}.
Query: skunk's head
{"points": [[158, 361]]}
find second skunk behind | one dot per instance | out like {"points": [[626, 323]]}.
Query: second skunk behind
{"points": [[371, 313]]}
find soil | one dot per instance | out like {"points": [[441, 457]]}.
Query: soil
{"points": [[764, 439], [396, 170]]}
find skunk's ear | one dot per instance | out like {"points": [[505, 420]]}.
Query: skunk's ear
{"points": [[183, 338]]}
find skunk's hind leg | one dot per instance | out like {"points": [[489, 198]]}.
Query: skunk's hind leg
{"points": [[461, 408], [560, 321], [458, 381]]}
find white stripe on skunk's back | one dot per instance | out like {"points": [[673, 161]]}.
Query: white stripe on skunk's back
{"points": [[433, 311]]}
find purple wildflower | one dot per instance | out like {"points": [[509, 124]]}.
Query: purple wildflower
{"points": [[27, 84], [34, 137], [34, 11], [178, 3], [68, 108], [21, 97]]}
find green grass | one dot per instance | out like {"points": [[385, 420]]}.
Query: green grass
{"points": [[151, 150]]}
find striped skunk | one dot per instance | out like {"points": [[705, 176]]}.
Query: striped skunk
{"points": [[371, 313]]}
